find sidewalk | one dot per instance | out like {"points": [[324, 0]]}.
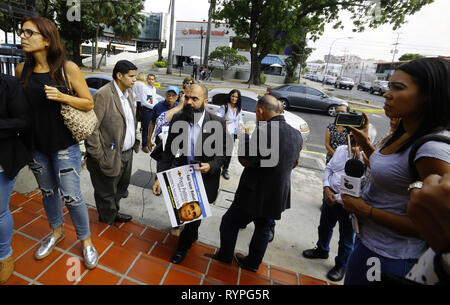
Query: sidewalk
{"points": [[139, 252]]}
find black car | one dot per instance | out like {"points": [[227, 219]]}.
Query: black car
{"points": [[364, 86], [298, 96]]}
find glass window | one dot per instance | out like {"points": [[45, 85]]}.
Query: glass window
{"points": [[297, 89], [220, 99], [248, 104], [93, 83], [313, 92], [103, 82]]}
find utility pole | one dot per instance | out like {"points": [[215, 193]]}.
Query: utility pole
{"points": [[212, 7], [172, 22], [362, 70], [395, 51], [201, 43]]}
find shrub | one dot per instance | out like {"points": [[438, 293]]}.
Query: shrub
{"points": [[262, 78]]}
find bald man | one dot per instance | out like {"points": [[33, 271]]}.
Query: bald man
{"points": [[264, 189]]}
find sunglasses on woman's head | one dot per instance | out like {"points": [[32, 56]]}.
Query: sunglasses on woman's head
{"points": [[27, 33]]}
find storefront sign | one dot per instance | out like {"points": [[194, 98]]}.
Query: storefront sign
{"points": [[197, 32]]}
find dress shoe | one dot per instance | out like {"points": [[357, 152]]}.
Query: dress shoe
{"points": [[336, 273], [225, 174], [125, 195], [90, 257], [46, 248], [6, 268], [122, 217], [240, 260], [179, 256], [272, 233], [315, 253], [216, 257]]}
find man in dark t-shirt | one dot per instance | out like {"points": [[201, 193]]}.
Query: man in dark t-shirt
{"points": [[170, 102]]}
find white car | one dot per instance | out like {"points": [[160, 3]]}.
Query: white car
{"points": [[218, 96]]}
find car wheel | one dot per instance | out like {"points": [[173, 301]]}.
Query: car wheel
{"points": [[371, 90], [331, 111], [285, 103]]}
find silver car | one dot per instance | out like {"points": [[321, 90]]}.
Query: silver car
{"points": [[218, 96]]}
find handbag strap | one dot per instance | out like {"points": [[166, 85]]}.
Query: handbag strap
{"points": [[66, 79]]}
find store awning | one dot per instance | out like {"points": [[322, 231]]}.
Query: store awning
{"points": [[270, 60]]}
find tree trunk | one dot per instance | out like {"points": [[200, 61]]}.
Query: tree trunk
{"points": [[255, 69], [76, 43]]}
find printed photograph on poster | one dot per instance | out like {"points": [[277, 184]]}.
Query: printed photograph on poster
{"points": [[184, 194]]}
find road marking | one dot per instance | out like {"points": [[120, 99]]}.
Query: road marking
{"points": [[368, 110], [314, 152]]}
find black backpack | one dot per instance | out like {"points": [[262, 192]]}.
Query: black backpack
{"points": [[416, 145]]}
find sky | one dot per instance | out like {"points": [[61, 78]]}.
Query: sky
{"points": [[426, 32]]}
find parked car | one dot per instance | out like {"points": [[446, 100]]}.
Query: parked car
{"points": [[364, 86], [314, 78], [379, 86], [219, 96], [344, 82], [97, 81], [330, 80], [299, 96]]}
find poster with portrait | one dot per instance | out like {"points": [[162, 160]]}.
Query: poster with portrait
{"points": [[184, 194]]}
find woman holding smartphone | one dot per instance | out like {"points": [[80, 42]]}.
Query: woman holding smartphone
{"points": [[419, 96], [56, 155]]}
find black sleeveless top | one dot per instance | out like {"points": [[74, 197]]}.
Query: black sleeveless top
{"points": [[49, 132]]}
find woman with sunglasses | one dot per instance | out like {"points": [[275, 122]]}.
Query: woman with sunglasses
{"points": [[56, 155]]}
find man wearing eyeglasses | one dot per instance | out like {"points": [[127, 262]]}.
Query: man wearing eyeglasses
{"points": [[170, 102]]}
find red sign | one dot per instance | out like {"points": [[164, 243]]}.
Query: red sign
{"points": [[197, 32]]}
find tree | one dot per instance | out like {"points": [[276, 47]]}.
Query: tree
{"points": [[265, 22], [410, 56], [298, 55], [228, 57], [121, 16]]}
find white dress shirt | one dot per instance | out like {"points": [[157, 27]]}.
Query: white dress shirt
{"points": [[130, 136], [194, 131]]}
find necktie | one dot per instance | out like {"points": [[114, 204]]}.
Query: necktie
{"points": [[192, 138]]}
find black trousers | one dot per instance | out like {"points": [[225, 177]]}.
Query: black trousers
{"points": [[109, 190], [188, 236]]}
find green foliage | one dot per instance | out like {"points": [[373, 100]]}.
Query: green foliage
{"points": [[122, 16], [227, 56], [161, 64], [410, 56], [262, 78], [273, 24]]}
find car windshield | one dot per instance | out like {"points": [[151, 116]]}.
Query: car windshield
{"points": [[281, 87], [384, 83], [347, 79]]}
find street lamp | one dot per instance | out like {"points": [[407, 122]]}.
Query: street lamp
{"points": [[254, 45], [329, 54]]}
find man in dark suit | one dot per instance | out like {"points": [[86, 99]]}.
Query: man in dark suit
{"points": [[200, 127], [264, 190]]}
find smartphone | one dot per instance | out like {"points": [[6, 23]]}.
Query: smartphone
{"points": [[349, 119]]}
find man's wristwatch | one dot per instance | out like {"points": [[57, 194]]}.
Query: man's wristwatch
{"points": [[415, 185]]}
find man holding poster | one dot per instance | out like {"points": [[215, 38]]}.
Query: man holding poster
{"points": [[207, 144]]}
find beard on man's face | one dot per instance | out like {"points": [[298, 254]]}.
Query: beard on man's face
{"points": [[188, 113]]}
